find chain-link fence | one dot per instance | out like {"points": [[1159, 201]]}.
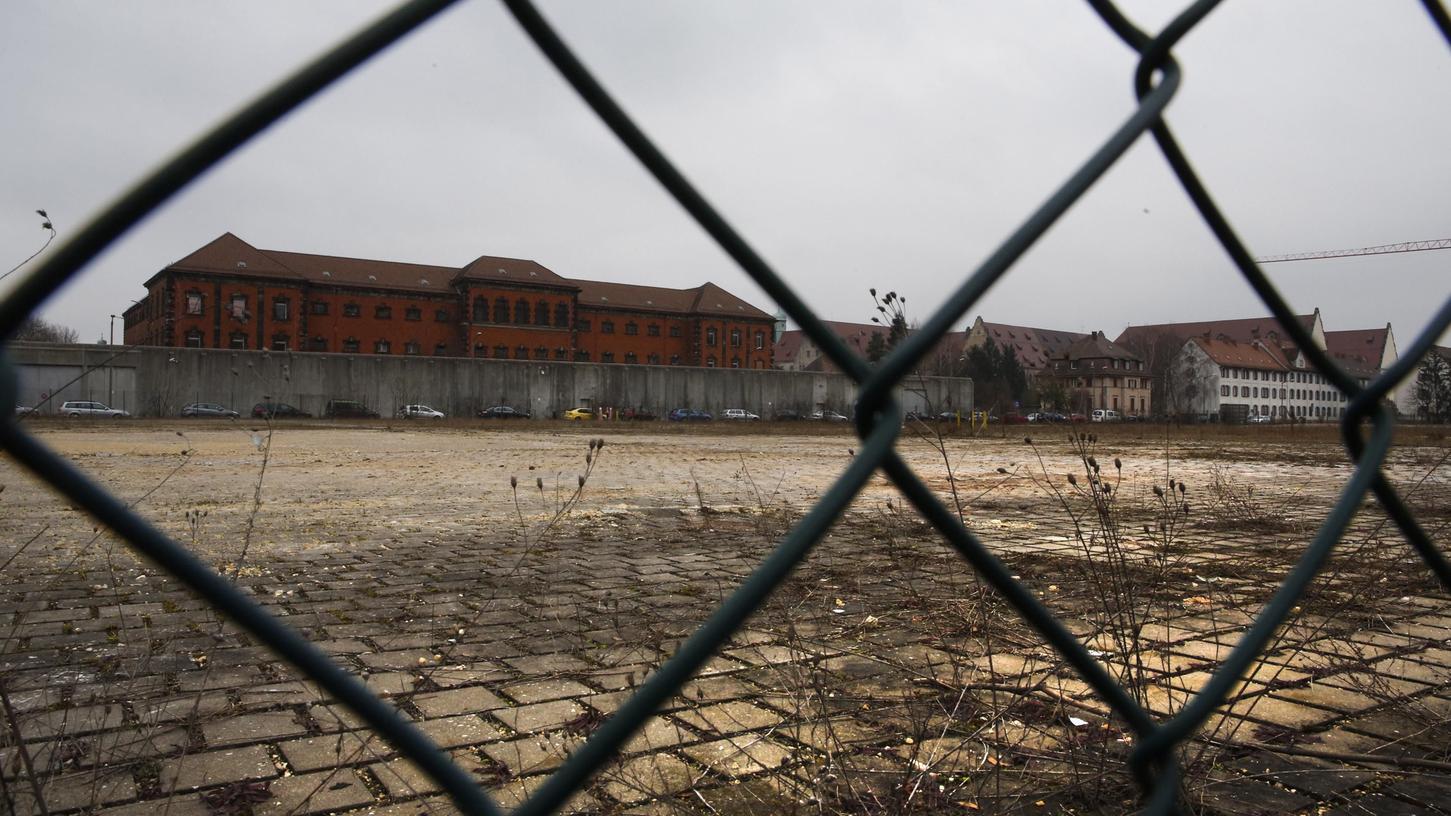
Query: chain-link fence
{"points": [[1366, 425]]}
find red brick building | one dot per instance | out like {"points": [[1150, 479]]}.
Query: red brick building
{"points": [[231, 295]]}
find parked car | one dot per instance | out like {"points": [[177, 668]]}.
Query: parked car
{"points": [[419, 412], [82, 408], [278, 410], [209, 409], [739, 415], [690, 415], [786, 415], [502, 412], [1077, 417], [576, 414], [22, 410], [348, 409], [826, 416], [1105, 415], [638, 414], [1015, 418], [1261, 419]]}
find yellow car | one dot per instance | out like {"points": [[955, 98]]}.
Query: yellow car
{"points": [[579, 413]]}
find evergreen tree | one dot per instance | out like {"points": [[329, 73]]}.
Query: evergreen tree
{"points": [[1433, 388]]}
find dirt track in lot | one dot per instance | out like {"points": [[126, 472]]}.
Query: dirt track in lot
{"points": [[881, 678]]}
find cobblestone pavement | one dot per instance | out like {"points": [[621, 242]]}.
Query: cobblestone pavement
{"points": [[882, 679]]}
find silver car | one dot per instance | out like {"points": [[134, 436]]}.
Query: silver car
{"points": [[81, 408]]}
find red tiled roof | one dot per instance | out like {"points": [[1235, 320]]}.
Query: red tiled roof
{"points": [[325, 269], [1243, 330], [1227, 351], [1364, 348], [230, 255], [1095, 345], [1033, 347], [512, 270]]}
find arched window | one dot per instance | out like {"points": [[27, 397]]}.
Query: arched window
{"points": [[521, 353], [541, 353], [194, 339], [581, 356], [735, 362], [631, 358], [238, 340], [675, 359], [710, 361], [561, 315], [501, 310], [710, 336], [280, 342], [521, 312], [760, 340], [481, 310], [502, 352], [350, 345], [653, 359], [541, 313], [735, 338], [560, 354], [382, 347]]}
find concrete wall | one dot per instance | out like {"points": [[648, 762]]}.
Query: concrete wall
{"points": [[159, 381]]}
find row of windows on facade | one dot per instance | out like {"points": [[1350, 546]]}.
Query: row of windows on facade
{"points": [[351, 345], [282, 308], [1256, 392], [1127, 365], [1285, 411], [1272, 376], [1110, 382], [712, 334]]}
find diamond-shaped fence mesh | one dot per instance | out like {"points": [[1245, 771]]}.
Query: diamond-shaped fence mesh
{"points": [[1366, 425]]}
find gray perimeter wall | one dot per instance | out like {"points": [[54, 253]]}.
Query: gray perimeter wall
{"points": [[159, 381]]}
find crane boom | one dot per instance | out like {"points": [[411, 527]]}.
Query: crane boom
{"points": [[1383, 249]]}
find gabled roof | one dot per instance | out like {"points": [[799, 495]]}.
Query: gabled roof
{"points": [[513, 270], [1360, 351], [1243, 330], [1096, 346], [325, 269], [1227, 351], [230, 255], [605, 294], [1033, 347], [711, 299]]}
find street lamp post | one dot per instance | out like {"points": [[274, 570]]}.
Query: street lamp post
{"points": [[111, 371]]}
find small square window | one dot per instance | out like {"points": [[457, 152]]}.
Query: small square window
{"points": [[352, 310], [383, 312], [441, 315], [382, 347], [653, 330], [317, 307], [413, 313]]}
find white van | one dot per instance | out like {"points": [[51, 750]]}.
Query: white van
{"points": [[1105, 415]]}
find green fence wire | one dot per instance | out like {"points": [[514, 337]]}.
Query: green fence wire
{"points": [[1153, 761]]}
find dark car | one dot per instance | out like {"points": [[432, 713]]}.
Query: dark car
{"points": [[690, 415], [1015, 418], [824, 415], [348, 409], [209, 409], [277, 410], [502, 412], [638, 414]]}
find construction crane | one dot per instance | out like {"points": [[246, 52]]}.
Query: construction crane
{"points": [[1383, 249]]}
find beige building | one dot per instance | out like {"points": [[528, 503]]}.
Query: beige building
{"points": [[1096, 373]]}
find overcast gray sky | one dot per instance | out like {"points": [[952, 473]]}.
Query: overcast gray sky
{"points": [[855, 144]]}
